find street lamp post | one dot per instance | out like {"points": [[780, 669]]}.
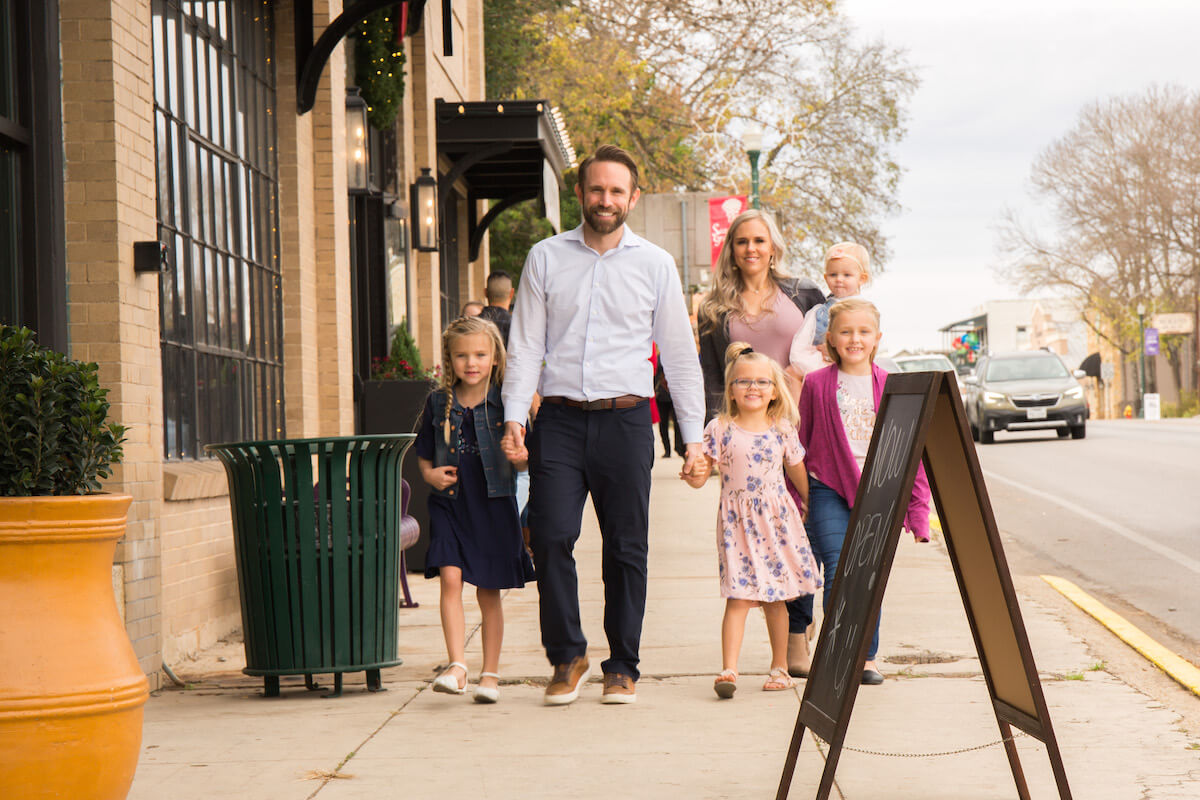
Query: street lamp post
{"points": [[752, 141], [1141, 309]]}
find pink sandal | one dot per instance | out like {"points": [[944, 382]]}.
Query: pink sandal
{"points": [[726, 684], [778, 680]]}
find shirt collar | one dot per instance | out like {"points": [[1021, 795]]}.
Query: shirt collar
{"points": [[628, 237]]}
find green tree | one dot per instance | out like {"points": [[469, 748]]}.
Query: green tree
{"points": [[676, 81]]}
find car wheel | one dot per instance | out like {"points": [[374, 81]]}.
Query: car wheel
{"points": [[974, 431], [1078, 431], [986, 436], [1063, 432]]}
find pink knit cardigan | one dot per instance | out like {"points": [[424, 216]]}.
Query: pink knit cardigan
{"points": [[827, 451]]}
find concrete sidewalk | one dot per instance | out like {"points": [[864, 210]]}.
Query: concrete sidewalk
{"points": [[221, 738]]}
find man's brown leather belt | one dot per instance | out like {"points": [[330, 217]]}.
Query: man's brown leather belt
{"points": [[607, 404]]}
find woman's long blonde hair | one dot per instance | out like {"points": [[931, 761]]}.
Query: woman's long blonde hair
{"points": [[725, 297], [468, 326], [782, 406]]}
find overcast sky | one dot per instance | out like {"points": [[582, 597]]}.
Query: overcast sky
{"points": [[1000, 81]]}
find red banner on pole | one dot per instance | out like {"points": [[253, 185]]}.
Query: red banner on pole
{"points": [[721, 212]]}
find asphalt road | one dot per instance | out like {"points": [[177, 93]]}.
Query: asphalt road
{"points": [[1118, 513]]}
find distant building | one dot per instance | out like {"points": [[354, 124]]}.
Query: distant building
{"points": [[678, 223]]}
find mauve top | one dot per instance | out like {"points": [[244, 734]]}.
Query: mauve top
{"points": [[771, 334]]}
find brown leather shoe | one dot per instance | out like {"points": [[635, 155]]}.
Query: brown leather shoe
{"points": [[568, 678], [618, 688], [799, 659]]}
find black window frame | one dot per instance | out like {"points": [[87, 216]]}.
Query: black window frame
{"points": [[36, 278], [221, 294]]}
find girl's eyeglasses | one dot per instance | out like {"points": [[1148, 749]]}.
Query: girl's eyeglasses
{"points": [[757, 383]]}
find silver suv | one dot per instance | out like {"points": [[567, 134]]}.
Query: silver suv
{"points": [[1025, 391]]}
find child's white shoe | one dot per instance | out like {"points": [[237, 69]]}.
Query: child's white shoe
{"points": [[447, 683], [487, 694]]}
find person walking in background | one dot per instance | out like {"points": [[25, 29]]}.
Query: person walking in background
{"points": [[847, 271], [499, 294], [592, 301], [474, 535], [472, 308], [753, 300], [666, 413], [837, 416], [763, 553]]}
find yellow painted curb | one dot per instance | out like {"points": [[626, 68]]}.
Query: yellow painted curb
{"points": [[1178, 668]]}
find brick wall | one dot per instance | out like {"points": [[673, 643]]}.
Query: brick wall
{"points": [[113, 315], [177, 559], [199, 594], [433, 76], [330, 212], [297, 253]]}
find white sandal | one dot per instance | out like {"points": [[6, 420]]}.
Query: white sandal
{"points": [[447, 683], [487, 694]]}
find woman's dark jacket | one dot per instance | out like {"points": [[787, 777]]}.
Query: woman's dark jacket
{"points": [[714, 339], [489, 428]]}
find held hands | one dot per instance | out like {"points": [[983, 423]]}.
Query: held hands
{"points": [[512, 444], [696, 466]]}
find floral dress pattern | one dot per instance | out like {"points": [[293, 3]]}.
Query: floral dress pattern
{"points": [[762, 550]]}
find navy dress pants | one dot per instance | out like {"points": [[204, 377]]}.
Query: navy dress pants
{"points": [[607, 454]]}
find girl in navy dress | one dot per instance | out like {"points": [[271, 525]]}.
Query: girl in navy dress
{"points": [[474, 531]]}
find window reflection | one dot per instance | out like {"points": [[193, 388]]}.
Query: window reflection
{"points": [[222, 349]]}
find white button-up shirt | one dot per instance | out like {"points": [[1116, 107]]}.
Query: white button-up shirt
{"points": [[584, 323]]}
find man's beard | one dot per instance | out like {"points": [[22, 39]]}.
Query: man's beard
{"points": [[607, 224]]}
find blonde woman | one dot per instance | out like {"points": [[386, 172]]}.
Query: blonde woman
{"points": [[752, 300]]}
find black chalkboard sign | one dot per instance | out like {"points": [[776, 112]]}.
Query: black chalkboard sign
{"points": [[921, 420], [879, 511]]}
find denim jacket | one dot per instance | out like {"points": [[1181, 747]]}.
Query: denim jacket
{"points": [[489, 428]]}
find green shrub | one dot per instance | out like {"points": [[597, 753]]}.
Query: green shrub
{"points": [[1188, 406], [379, 66], [404, 359], [54, 438]]}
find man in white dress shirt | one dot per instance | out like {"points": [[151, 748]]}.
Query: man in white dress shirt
{"points": [[590, 303]]}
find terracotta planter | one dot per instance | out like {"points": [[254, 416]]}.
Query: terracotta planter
{"points": [[71, 689]]}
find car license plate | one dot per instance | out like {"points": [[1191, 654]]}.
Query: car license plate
{"points": [[1035, 413]]}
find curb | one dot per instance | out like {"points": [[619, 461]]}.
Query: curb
{"points": [[1184, 672]]}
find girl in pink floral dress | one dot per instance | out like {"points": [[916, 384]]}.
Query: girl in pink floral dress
{"points": [[763, 553]]}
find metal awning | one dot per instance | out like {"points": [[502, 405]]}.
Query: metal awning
{"points": [[968, 324], [311, 57], [508, 151]]}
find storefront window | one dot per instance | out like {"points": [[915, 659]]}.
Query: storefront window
{"points": [[14, 141], [395, 231], [218, 210]]}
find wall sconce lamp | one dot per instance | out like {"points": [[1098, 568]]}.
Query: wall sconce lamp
{"points": [[149, 257], [356, 141], [423, 201]]}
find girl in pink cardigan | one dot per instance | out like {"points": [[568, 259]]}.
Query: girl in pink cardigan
{"points": [[837, 415]]}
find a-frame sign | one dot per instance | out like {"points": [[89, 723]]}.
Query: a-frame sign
{"points": [[921, 417]]}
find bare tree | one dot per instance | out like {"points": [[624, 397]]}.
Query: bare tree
{"points": [[1123, 189], [676, 80]]}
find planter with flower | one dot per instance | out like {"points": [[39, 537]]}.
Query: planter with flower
{"points": [[71, 689], [392, 401]]}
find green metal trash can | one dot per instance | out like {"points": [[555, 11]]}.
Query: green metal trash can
{"points": [[316, 529]]}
